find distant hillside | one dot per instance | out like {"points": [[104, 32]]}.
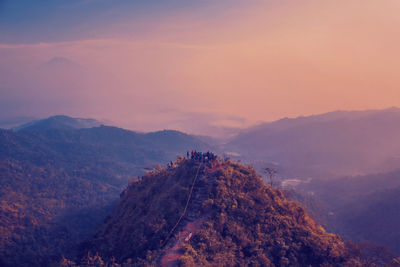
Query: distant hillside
{"points": [[230, 218], [59, 122], [332, 144], [363, 208], [9, 123], [374, 217], [58, 182]]}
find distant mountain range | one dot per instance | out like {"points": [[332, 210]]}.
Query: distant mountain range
{"points": [[332, 144], [60, 176], [320, 146]]}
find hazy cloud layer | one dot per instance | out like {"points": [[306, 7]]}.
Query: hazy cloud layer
{"points": [[205, 64]]}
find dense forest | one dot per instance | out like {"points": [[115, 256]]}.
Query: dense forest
{"points": [[58, 183], [61, 179], [242, 223]]}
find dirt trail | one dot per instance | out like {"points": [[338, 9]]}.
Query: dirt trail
{"points": [[191, 222], [172, 255]]}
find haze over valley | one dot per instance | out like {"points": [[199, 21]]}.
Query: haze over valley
{"points": [[199, 133]]}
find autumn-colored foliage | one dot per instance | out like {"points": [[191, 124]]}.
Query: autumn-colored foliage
{"points": [[245, 223], [58, 185]]}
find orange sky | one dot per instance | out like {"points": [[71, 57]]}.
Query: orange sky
{"points": [[190, 70]]}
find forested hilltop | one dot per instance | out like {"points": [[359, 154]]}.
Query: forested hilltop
{"points": [[212, 213], [58, 182]]}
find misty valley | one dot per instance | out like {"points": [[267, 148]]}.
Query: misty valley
{"points": [[176, 133], [76, 192]]}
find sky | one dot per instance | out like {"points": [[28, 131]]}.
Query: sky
{"points": [[205, 67]]}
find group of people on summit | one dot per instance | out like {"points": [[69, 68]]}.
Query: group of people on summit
{"points": [[196, 155], [201, 156]]}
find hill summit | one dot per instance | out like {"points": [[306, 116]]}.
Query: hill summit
{"points": [[60, 122], [198, 212]]}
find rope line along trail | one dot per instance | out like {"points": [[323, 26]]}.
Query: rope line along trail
{"points": [[185, 209]]}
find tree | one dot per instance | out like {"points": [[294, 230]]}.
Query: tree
{"points": [[271, 173]]}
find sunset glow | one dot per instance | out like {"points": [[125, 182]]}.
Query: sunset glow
{"points": [[228, 64]]}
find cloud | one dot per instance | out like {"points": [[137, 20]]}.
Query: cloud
{"points": [[257, 60], [200, 122]]}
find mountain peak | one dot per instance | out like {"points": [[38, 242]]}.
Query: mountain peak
{"points": [[60, 62], [214, 212]]}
